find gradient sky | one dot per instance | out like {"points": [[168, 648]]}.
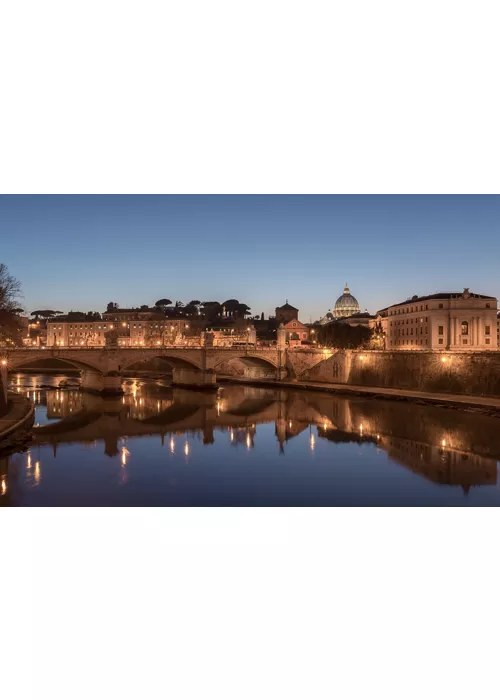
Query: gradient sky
{"points": [[80, 252]]}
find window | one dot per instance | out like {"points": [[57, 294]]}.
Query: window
{"points": [[464, 341], [440, 306], [440, 330], [440, 341], [465, 328], [488, 306], [487, 341], [487, 330]]}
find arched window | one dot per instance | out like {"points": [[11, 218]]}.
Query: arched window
{"points": [[465, 328]]}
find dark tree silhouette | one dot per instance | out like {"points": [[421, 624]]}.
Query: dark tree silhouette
{"points": [[163, 302], [10, 324], [342, 335], [45, 313]]}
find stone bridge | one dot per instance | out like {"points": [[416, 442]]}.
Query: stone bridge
{"points": [[102, 368]]}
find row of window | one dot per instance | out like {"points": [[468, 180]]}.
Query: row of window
{"points": [[415, 309], [424, 341], [465, 329], [410, 320], [409, 331], [138, 325], [409, 310]]}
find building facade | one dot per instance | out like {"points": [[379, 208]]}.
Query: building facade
{"points": [[128, 333], [445, 321], [296, 333], [286, 313]]}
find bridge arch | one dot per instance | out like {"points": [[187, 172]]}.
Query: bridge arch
{"points": [[29, 360], [256, 365], [175, 361]]}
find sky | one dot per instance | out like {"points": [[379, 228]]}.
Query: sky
{"points": [[79, 252]]}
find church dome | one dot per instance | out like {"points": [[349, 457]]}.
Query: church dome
{"points": [[346, 305]]}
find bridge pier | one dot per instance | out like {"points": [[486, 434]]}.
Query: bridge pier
{"points": [[194, 379], [109, 384]]}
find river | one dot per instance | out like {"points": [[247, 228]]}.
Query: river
{"points": [[246, 446]]}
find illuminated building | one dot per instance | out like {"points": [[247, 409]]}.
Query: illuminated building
{"points": [[296, 333], [130, 333], [451, 321]]}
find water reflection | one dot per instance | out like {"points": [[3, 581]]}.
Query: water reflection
{"points": [[338, 450]]}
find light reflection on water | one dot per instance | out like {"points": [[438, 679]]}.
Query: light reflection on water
{"points": [[246, 446]]}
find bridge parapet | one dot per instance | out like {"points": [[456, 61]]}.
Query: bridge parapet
{"points": [[114, 361]]}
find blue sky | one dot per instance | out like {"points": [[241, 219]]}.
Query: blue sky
{"points": [[80, 252]]}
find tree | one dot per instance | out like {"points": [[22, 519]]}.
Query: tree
{"points": [[45, 314], [231, 306], [10, 322], [211, 310], [377, 341], [191, 310], [112, 306], [179, 304], [163, 302], [342, 335], [243, 310]]}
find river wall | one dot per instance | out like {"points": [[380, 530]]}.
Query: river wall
{"points": [[472, 373], [3, 400]]}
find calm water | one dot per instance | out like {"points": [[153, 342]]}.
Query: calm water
{"points": [[159, 446]]}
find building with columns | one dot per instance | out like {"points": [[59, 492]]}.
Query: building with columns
{"points": [[445, 321]]}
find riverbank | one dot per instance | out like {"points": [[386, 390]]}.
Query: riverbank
{"points": [[484, 404], [20, 415]]}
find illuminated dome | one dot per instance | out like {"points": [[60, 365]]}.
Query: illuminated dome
{"points": [[346, 305]]}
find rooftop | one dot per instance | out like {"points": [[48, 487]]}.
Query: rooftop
{"points": [[444, 295], [361, 314], [286, 307]]}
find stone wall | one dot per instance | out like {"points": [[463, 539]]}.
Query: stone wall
{"points": [[459, 373], [3, 398]]}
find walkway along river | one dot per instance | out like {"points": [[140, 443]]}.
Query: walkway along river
{"points": [[246, 445]]}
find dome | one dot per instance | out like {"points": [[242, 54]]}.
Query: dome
{"points": [[346, 305], [326, 318]]}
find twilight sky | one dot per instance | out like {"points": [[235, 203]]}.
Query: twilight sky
{"points": [[80, 252]]}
